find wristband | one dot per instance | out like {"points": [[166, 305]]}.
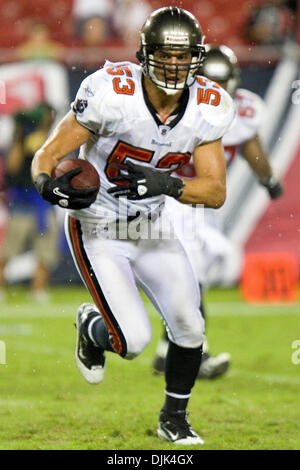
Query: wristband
{"points": [[40, 181]]}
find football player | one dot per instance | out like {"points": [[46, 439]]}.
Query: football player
{"points": [[221, 65], [136, 124]]}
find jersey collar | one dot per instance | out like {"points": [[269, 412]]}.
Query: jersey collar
{"points": [[177, 113]]}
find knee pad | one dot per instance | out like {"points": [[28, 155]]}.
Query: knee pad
{"points": [[137, 343], [192, 337]]}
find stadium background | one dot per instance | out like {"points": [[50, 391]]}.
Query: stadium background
{"points": [[250, 220]]}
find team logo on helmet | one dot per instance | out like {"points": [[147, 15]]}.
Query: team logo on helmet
{"points": [[181, 39]]}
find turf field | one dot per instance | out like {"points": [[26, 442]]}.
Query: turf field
{"points": [[45, 403]]}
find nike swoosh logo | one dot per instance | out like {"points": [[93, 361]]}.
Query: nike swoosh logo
{"points": [[174, 437], [81, 354], [57, 192]]}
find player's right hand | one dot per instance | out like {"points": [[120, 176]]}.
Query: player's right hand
{"points": [[59, 191]]}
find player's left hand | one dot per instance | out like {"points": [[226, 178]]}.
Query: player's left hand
{"points": [[273, 186], [143, 182]]}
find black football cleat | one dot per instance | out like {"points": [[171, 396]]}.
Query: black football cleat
{"points": [[174, 427], [90, 359]]}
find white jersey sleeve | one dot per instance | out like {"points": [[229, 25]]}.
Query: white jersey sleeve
{"points": [[101, 101], [87, 103], [211, 116], [217, 110]]}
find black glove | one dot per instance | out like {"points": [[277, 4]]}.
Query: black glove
{"points": [[59, 191], [273, 186], [143, 182]]}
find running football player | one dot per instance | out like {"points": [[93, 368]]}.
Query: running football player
{"points": [[136, 124]]}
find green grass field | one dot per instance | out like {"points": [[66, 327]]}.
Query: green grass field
{"points": [[45, 403]]}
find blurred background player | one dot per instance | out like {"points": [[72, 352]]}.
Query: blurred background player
{"points": [[220, 65], [31, 220]]}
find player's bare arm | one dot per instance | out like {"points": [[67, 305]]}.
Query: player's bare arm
{"points": [[67, 137], [254, 153], [209, 188]]}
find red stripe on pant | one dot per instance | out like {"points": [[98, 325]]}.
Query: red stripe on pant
{"points": [[89, 280]]}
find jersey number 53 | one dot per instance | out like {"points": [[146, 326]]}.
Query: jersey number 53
{"points": [[122, 150], [122, 82]]}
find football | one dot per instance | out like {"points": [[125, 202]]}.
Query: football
{"points": [[88, 177]]}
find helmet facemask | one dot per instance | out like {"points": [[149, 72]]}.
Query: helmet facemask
{"points": [[171, 77]]}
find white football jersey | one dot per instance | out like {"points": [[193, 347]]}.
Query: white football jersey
{"points": [[250, 110], [113, 105]]}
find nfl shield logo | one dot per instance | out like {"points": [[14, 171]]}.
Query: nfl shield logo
{"points": [[164, 129]]}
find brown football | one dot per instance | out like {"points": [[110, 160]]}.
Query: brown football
{"points": [[88, 177]]}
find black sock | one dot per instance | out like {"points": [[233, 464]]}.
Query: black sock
{"points": [[100, 335], [182, 366], [172, 404]]}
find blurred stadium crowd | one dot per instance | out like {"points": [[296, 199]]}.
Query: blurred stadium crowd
{"points": [[60, 29], [47, 48]]}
